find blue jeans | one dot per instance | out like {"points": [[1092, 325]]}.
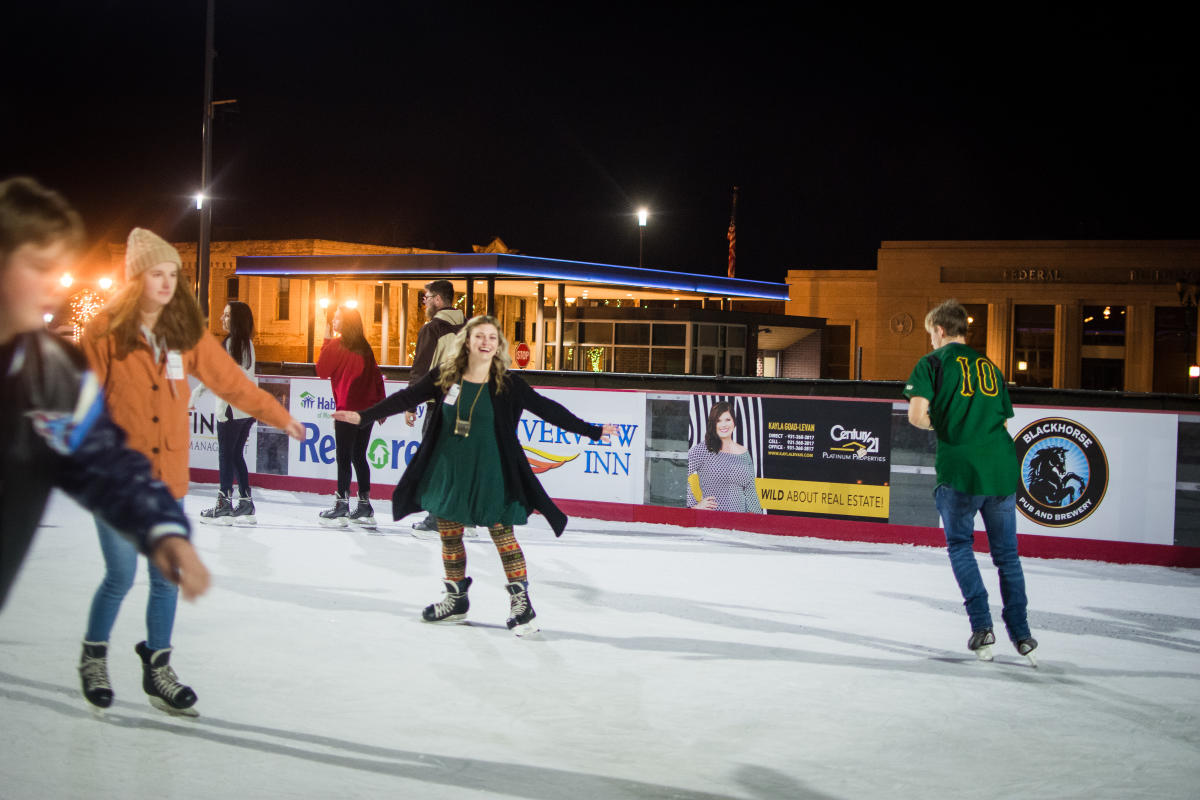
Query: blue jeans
{"points": [[1000, 521], [231, 444], [120, 564]]}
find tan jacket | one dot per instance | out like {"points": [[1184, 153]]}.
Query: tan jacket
{"points": [[154, 410]]}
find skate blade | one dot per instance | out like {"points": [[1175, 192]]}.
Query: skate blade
{"points": [[242, 522], [332, 523], [218, 522], [529, 630], [365, 522], [162, 705], [461, 618], [984, 653], [1032, 659]]}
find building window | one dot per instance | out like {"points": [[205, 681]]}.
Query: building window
{"points": [[231, 289], [1173, 345], [977, 326], [836, 353], [378, 310], [1033, 346], [1102, 364], [283, 299]]}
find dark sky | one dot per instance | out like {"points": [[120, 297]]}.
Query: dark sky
{"points": [[395, 124]]}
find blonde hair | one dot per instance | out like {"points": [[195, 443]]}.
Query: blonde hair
{"points": [[952, 318], [455, 363], [181, 323]]}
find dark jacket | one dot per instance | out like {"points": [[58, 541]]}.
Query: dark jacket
{"points": [[445, 322], [508, 405], [55, 432]]}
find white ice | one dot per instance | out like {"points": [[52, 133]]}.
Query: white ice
{"points": [[674, 663]]}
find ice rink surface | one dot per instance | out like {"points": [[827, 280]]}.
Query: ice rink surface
{"points": [[673, 663]]}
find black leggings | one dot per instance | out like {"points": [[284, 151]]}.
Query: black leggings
{"points": [[352, 442], [231, 441]]}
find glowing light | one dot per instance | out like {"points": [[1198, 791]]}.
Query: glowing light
{"points": [[643, 214], [351, 304], [970, 320], [105, 283], [83, 307], [1107, 311], [66, 280], [1022, 366], [323, 302], [47, 317], [1194, 371], [200, 198]]}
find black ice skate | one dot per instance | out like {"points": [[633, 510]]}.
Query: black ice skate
{"points": [[521, 613], [1026, 647], [363, 513], [453, 605], [243, 512], [160, 682], [220, 514], [336, 517], [981, 642], [93, 671]]}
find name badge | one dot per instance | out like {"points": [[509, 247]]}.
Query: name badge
{"points": [[452, 395], [175, 366]]}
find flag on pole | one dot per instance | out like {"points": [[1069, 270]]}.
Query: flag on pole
{"points": [[731, 235]]}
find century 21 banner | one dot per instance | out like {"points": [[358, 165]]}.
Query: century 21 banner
{"points": [[807, 456]]}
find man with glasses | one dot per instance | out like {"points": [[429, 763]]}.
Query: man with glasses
{"points": [[443, 321]]}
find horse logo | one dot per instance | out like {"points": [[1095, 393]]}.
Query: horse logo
{"points": [[1064, 472]]}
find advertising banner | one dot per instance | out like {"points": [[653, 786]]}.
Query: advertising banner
{"points": [[568, 465], [1084, 474], [807, 456], [393, 443], [573, 467], [203, 423]]}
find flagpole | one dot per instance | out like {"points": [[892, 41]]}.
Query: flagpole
{"points": [[731, 235]]}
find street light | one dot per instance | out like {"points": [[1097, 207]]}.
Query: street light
{"points": [[642, 215]]}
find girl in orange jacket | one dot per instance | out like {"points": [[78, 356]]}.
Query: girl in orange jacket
{"points": [[142, 347]]}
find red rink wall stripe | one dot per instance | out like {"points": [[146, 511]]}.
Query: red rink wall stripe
{"points": [[779, 525]]}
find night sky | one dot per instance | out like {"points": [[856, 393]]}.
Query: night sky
{"points": [[391, 123]]}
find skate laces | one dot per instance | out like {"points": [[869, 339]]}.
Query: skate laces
{"points": [[166, 681], [95, 672], [445, 606], [519, 603]]}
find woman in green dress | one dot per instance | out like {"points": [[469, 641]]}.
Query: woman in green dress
{"points": [[470, 468]]}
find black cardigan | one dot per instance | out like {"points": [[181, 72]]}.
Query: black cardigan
{"points": [[508, 406]]}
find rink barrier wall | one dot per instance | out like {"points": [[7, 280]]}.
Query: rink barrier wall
{"points": [[1030, 546]]}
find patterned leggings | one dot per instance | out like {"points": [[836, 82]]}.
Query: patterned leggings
{"points": [[454, 554]]}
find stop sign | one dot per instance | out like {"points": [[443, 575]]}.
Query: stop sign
{"points": [[522, 354]]}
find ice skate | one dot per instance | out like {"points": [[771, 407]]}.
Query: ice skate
{"points": [[426, 528], [243, 512], [363, 514], [220, 514], [981, 642], [521, 613], [453, 605], [1026, 647], [336, 517], [93, 671], [162, 685]]}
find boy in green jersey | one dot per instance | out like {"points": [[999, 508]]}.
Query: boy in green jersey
{"points": [[961, 395]]}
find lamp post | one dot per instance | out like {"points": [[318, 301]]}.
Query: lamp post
{"points": [[642, 215]]}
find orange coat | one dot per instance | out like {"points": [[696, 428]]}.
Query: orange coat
{"points": [[154, 410]]}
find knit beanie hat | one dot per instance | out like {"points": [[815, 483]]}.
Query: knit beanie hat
{"points": [[144, 249]]}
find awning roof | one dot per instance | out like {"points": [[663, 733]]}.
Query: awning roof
{"points": [[500, 266]]}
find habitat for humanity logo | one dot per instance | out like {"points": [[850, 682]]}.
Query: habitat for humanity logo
{"points": [[853, 443], [310, 400], [1064, 472]]}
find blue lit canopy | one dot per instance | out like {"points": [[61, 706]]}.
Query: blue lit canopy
{"points": [[508, 267]]}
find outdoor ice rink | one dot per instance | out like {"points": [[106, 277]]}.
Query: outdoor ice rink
{"points": [[674, 663]]}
